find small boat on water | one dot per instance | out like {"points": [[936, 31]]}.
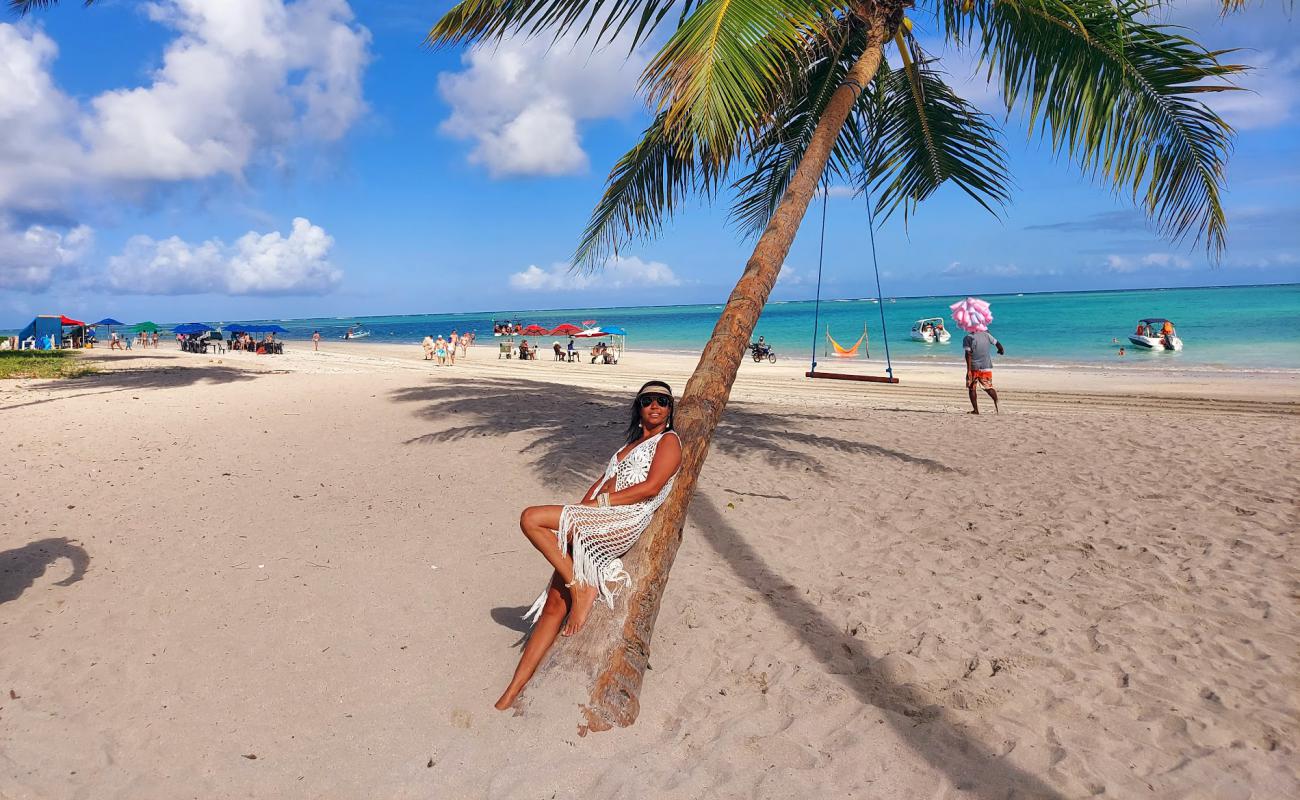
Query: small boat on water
{"points": [[930, 330], [355, 332], [1156, 334]]}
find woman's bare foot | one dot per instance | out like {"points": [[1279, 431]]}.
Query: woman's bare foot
{"points": [[507, 699], [584, 597]]}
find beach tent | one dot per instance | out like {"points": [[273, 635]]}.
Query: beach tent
{"points": [[620, 338], [191, 327], [46, 330]]}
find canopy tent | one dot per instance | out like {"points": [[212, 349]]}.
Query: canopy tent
{"points": [[46, 331], [590, 333], [614, 330], [191, 327], [241, 328], [145, 327], [76, 323]]}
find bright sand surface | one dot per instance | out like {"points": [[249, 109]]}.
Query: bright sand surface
{"points": [[314, 559]]}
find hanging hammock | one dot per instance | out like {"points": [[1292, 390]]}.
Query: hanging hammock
{"points": [[848, 352]]}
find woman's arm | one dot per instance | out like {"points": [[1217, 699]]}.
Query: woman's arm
{"points": [[668, 457]]}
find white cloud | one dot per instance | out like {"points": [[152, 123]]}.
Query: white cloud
{"points": [[521, 102], [261, 264], [243, 81], [789, 276], [31, 258], [1129, 263], [839, 190], [619, 272], [1272, 96], [957, 269]]}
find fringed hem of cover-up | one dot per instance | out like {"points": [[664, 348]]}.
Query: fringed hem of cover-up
{"points": [[614, 573]]}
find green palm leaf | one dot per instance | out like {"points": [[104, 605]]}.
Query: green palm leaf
{"points": [[1116, 94], [778, 149], [644, 190], [716, 75], [924, 135], [491, 20]]}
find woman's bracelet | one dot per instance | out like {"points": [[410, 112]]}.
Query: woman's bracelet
{"points": [[602, 500]]}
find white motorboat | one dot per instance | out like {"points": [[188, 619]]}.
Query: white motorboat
{"points": [[1156, 334], [930, 330], [355, 332]]}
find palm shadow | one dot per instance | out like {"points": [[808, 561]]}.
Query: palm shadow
{"points": [[21, 567], [924, 726], [573, 429], [140, 380]]}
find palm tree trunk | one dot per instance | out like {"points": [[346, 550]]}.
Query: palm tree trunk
{"points": [[612, 652]]}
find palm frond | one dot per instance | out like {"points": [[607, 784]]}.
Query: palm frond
{"points": [[924, 135], [715, 75], [603, 21], [780, 146], [22, 7], [643, 191], [1118, 95]]}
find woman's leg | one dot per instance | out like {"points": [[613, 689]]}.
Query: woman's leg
{"points": [[539, 524], [539, 641]]}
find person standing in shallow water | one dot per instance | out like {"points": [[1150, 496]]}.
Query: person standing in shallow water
{"points": [[977, 347], [584, 542]]}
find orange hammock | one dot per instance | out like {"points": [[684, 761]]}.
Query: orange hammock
{"points": [[848, 352]]}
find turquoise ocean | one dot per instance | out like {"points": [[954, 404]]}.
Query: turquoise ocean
{"points": [[1248, 328]]}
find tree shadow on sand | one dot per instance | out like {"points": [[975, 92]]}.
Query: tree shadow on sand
{"points": [[572, 430], [21, 567], [138, 380]]}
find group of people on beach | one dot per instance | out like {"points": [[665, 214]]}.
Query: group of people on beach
{"points": [[118, 341], [443, 351], [506, 329]]}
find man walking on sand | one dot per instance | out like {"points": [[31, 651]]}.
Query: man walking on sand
{"points": [[979, 366], [315, 341]]}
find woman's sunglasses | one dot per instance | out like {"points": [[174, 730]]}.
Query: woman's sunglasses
{"points": [[661, 400]]}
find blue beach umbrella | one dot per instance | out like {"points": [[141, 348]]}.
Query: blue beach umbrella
{"points": [[109, 321], [191, 327]]}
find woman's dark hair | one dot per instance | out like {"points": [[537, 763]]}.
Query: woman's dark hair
{"points": [[634, 428]]}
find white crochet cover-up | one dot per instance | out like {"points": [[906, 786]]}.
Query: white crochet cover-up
{"points": [[601, 535]]}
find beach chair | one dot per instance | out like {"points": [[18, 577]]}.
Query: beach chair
{"points": [[505, 350]]}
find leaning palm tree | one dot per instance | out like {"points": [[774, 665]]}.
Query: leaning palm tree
{"points": [[763, 101]]}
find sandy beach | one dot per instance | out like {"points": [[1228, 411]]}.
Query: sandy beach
{"points": [[302, 576]]}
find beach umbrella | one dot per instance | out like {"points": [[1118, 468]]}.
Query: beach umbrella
{"points": [[145, 327], [191, 327], [274, 329], [534, 330], [109, 321], [972, 314], [567, 329]]}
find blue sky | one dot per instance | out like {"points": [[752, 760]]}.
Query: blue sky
{"points": [[226, 159]]}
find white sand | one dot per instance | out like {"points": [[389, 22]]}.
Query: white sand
{"points": [[315, 560]]}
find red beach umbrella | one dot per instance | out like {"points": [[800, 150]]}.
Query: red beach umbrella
{"points": [[534, 330], [566, 330]]}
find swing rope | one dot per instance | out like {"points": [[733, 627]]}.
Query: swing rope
{"points": [[821, 251], [880, 299]]}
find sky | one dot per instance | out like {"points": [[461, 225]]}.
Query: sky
{"points": [[251, 159]]}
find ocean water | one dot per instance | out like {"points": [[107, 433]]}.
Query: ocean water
{"points": [[1246, 328]]}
